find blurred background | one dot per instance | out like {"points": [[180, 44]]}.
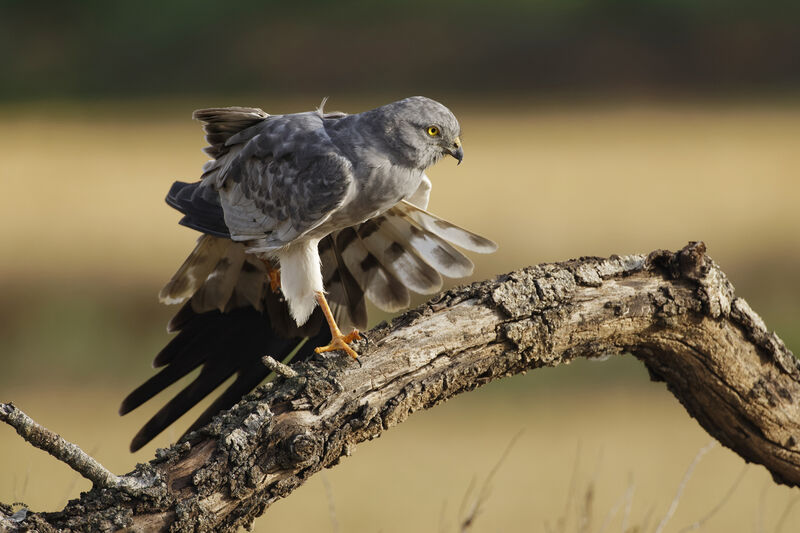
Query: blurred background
{"points": [[590, 128]]}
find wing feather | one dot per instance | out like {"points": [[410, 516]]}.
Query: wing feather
{"points": [[288, 178], [430, 247], [220, 283], [447, 230], [402, 263], [195, 269], [343, 292], [378, 284]]}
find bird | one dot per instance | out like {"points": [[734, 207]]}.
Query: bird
{"points": [[303, 217]]}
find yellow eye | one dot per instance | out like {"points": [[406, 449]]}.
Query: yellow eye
{"points": [[433, 131]]}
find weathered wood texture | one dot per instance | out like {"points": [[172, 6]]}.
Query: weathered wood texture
{"points": [[676, 312]]}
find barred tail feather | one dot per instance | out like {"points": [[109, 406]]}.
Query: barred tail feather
{"points": [[221, 123]]}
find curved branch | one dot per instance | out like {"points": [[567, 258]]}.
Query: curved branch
{"points": [[676, 312]]}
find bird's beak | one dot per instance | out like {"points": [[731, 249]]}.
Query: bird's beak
{"points": [[456, 151]]}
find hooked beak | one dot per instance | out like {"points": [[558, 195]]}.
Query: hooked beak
{"points": [[456, 151]]}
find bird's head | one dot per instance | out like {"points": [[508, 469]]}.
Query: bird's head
{"points": [[423, 130]]}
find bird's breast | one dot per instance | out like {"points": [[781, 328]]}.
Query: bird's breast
{"points": [[383, 188]]}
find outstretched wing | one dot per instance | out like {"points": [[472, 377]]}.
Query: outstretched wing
{"points": [[406, 249]]}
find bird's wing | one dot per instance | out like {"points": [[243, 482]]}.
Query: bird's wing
{"points": [[199, 202], [281, 178], [431, 224], [406, 249]]}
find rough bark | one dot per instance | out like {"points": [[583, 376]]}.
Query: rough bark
{"points": [[676, 312]]}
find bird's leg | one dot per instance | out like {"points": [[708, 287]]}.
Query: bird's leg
{"points": [[274, 279], [338, 341], [274, 275]]}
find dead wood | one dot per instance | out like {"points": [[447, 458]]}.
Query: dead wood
{"points": [[676, 312]]}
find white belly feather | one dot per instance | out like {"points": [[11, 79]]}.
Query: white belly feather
{"points": [[301, 277]]}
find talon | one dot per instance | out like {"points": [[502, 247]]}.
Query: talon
{"points": [[338, 341], [342, 342]]}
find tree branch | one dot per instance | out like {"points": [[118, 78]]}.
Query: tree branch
{"points": [[676, 312], [66, 452]]}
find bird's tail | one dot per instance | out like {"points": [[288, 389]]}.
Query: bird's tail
{"points": [[222, 123]]}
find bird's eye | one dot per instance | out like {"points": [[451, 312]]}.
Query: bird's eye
{"points": [[433, 131]]}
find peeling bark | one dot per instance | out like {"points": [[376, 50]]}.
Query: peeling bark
{"points": [[676, 312]]}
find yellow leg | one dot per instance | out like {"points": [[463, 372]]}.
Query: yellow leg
{"points": [[274, 279], [274, 275], [338, 341]]}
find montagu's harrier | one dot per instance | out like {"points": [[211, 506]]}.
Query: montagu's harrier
{"points": [[294, 207]]}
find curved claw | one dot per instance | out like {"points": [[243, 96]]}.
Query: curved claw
{"points": [[342, 342]]}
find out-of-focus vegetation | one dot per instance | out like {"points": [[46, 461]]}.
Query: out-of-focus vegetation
{"points": [[590, 128], [99, 48]]}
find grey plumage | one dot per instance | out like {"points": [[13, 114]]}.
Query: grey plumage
{"points": [[280, 180], [284, 182], [337, 202]]}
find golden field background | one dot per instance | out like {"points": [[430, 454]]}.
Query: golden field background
{"points": [[83, 186], [87, 242]]}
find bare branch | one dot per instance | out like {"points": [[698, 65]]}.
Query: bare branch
{"points": [[676, 312], [57, 446]]}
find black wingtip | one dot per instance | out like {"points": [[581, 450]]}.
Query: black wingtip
{"points": [[200, 207], [172, 198], [145, 435]]}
